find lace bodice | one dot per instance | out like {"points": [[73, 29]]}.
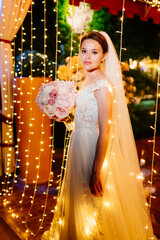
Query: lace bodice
{"points": [[86, 113]]}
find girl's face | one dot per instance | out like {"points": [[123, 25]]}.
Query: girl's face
{"points": [[91, 55]]}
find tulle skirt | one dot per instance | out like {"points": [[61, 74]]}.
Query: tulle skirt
{"points": [[121, 214]]}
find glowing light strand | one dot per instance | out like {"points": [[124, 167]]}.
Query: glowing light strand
{"points": [[71, 49], [152, 3], [20, 115], [121, 32], [57, 32], [152, 169], [65, 158], [67, 132], [5, 184], [41, 220], [82, 24], [7, 128], [30, 111], [154, 145]]}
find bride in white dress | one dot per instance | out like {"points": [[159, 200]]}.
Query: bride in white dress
{"points": [[102, 196]]}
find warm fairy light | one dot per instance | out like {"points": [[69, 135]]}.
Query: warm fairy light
{"points": [[140, 177], [41, 219], [154, 145], [7, 108], [105, 164], [156, 153], [14, 215], [107, 204], [152, 113], [60, 221], [87, 230], [21, 109], [90, 224], [5, 202], [109, 121], [153, 3], [142, 161], [121, 32]]}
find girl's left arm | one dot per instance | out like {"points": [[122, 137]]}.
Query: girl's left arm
{"points": [[104, 102]]}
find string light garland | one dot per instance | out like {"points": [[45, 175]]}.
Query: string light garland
{"points": [[65, 157], [41, 149], [152, 3], [71, 49], [67, 132], [9, 190], [30, 124], [20, 111], [154, 128], [17, 163], [6, 189], [121, 32], [8, 112], [153, 171], [57, 33], [41, 141], [82, 24], [30, 114]]}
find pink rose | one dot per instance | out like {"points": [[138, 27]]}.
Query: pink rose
{"points": [[51, 101], [42, 87], [52, 83], [61, 112], [41, 106], [53, 93]]}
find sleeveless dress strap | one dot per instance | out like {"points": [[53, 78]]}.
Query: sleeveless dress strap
{"points": [[103, 83]]}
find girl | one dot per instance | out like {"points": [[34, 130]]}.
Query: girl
{"points": [[102, 196]]}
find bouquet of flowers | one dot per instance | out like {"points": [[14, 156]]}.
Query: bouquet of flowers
{"points": [[57, 99]]}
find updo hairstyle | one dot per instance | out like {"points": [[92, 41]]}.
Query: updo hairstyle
{"points": [[97, 36]]}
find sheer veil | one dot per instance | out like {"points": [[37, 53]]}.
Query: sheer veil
{"points": [[122, 154]]}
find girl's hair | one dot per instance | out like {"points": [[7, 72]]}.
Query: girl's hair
{"points": [[97, 36]]}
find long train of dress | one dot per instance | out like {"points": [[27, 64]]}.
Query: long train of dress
{"points": [[121, 214]]}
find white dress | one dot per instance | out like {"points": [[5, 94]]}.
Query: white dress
{"points": [[120, 214]]}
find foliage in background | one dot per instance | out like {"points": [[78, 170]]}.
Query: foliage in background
{"points": [[144, 84], [65, 32], [103, 21], [38, 65], [143, 104], [129, 89], [141, 39]]}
